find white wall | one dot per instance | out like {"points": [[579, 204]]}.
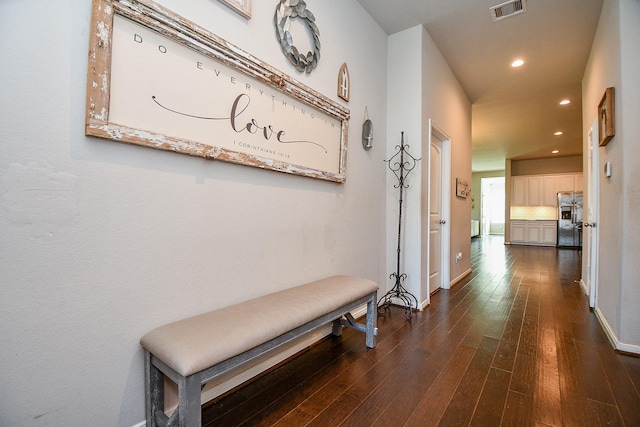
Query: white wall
{"points": [[422, 87], [103, 241], [449, 108], [615, 61], [405, 115], [629, 112]]}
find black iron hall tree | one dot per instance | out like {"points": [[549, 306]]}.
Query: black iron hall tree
{"points": [[401, 164]]}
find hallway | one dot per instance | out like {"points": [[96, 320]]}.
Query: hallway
{"points": [[513, 344]]}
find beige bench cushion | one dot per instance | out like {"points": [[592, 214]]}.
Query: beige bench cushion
{"points": [[197, 343]]}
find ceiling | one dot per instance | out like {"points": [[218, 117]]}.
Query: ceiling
{"points": [[515, 111]]}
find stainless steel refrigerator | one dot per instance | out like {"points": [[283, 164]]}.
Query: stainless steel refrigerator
{"points": [[569, 219]]}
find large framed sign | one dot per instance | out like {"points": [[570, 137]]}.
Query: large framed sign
{"points": [[158, 80]]}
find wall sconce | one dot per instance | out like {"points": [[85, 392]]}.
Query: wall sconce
{"points": [[367, 131]]}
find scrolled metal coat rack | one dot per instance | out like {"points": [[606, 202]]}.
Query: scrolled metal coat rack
{"points": [[401, 167]]}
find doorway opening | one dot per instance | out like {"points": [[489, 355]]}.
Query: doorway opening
{"points": [[492, 206]]}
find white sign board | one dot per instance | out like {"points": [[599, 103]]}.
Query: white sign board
{"points": [[160, 81]]}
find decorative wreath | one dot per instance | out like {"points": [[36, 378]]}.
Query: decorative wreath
{"points": [[285, 12]]}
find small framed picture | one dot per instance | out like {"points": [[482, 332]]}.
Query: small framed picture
{"points": [[344, 82], [462, 188], [606, 117], [243, 7]]}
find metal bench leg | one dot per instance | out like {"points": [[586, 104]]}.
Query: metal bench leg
{"points": [[189, 411], [372, 317], [153, 391], [337, 328]]}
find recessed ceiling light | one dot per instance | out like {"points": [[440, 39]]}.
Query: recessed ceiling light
{"points": [[565, 102], [517, 63], [558, 133], [555, 151]]}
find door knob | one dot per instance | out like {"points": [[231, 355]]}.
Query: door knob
{"points": [[442, 221], [590, 224]]}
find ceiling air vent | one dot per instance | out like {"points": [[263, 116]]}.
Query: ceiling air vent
{"points": [[508, 9]]}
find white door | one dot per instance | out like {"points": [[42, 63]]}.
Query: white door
{"points": [[436, 222], [590, 227]]}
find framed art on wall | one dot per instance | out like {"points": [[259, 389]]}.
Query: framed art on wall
{"points": [[344, 82], [158, 80], [462, 188], [243, 7], [606, 117]]}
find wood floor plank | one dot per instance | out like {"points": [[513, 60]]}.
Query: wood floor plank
{"points": [[325, 395], [524, 378], [378, 399], [602, 414], [595, 383], [339, 411], [460, 339], [572, 393], [491, 404], [512, 344], [406, 400], [632, 367], [464, 401], [518, 410], [506, 296], [508, 346], [547, 405], [434, 402], [621, 380]]}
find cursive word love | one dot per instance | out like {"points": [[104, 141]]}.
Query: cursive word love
{"points": [[240, 123]]}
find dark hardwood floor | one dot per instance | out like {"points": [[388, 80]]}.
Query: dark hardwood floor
{"points": [[513, 344]]}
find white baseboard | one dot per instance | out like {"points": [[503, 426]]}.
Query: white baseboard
{"points": [[425, 303], [460, 277], [628, 348], [605, 325], [613, 338], [583, 285]]}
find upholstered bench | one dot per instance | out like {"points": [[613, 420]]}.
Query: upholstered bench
{"points": [[196, 350]]}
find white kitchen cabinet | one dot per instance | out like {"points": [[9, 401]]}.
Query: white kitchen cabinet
{"points": [[534, 185], [540, 233], [577, 182], [565, 182], [518, 231], [542, 190], [519, 191], [549, 232], [569, 182], [549, 190], [533, 231]]}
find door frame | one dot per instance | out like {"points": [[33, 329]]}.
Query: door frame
{"points": [[592, 236], [436, 133]]}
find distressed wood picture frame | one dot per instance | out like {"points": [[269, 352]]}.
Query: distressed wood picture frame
{"points": [[158, 80], [242, 7], [462, 188], [606, 117]]}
